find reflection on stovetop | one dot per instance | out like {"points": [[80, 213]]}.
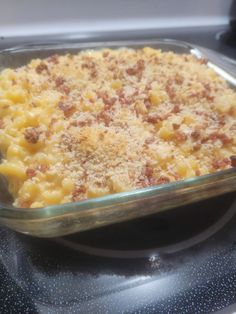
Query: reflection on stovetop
{"points": [[165, 232], [54, 276]]}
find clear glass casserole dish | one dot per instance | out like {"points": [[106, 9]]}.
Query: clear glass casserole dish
{"points": [[58, 220]]}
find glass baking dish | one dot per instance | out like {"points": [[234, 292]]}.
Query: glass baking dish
{"points": [[58, 220]]}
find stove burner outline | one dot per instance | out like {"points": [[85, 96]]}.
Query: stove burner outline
{"points": [[127, 254]]}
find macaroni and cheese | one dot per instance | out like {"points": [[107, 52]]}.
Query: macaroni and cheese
{"points": [[80, 126]]}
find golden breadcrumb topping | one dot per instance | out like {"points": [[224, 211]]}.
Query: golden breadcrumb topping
{"points": [[79, 126]]}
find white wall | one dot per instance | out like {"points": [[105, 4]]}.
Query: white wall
{"points": [[23, 17]]}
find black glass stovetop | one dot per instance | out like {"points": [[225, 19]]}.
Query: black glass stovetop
{"points": [[179, 261]]}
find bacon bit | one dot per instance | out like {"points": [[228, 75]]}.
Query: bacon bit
{"points": [[163, 180], [204, 140], [217, 164], [170, 90], [98, 184], [78, 123], [196, 146], [2, 124], [24, 204], [53, 120], [148, 172], [231, 111], [60, 85], [154, 181], [104, 116], [77, 192], [206, 95], [32, 135], [111, 101], [195, 134], [112, 68], [30, 172], [180, 136], [143, 182], [94, 73], [156, 59], [226, 162], [43, 168], [221, 121], [147, 104], [153, 118], [194, 95], [84, 66], [222, 137], [148, 87], [88, 65], [186, 58], [13, 81], [85, 175], [225, 139], [106, 108], [65, 89], [137, 69], [233, 160], [120, 93], [140, 64], [41, 67], [126, 100], [147, 178], [176, 109], [176, 126], [131, 71], [207, 87], [175, 175], [197, 172], [203, 61], [123, 101], [81, 123], [101, 136], [102, 95], [105, 54], [217, 136], [136, 92], [107, 101], [149, 140], [67, 108], [179, 79], [54, 59], [59, 81]]}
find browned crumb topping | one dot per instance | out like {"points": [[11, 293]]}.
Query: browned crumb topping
{"points": [[233, 160], [41, 68], [108, 121], [30, 172]]}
